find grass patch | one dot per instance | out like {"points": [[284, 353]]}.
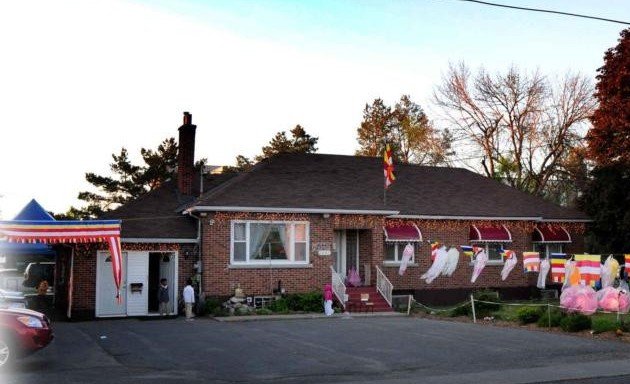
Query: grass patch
{"points": [[604, 324]]}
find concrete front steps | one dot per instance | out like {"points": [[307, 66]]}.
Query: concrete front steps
{"points": [[354, 303]]}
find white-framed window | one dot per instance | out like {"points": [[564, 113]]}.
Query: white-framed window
{"points": [[546, 249], [493, 250], [267, 242], [394, 251]]}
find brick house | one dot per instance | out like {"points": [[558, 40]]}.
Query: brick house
{"points": [[296, 222]]}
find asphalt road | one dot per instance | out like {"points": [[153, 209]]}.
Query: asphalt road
{"points": [[359, 350]]}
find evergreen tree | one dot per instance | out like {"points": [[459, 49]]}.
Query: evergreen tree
{"points": [[128, 181], [300, 142], [375, 129], [607, 202]]}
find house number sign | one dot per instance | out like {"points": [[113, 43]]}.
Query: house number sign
{"points": [[322, 249]]}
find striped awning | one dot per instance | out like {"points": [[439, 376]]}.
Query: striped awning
{"points": [[490, 234], [68, 231], [409, 232], [550, 234]]}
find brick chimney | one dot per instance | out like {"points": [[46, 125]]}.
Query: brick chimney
{"points": [[186, 156]]}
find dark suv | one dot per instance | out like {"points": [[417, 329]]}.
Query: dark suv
{"points": [[22, 332], [36, 272]]}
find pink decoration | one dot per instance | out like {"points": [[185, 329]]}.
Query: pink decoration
{"points": [[353, 277], [613, 300], [328, 293], [579, 298]]}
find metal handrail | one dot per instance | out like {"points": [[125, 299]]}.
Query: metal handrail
{"points": [[384, 286], [339, 288]]}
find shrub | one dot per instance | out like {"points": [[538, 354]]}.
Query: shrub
{"points": [[279, 306], [604, 324], [306, 302], [486, 309], [210, 305], [462, 310], [264, 311], [527, 315], [575, 323], [556, 317]]}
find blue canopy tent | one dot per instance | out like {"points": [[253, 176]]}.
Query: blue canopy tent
{"points": [[32, 211]]}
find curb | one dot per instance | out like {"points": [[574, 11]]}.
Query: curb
{"points": [[306, 316]]}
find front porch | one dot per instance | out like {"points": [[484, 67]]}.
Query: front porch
{"points": [[352, 272]]}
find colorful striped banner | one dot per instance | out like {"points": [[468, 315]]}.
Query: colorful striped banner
{"points": [[627, 263], [558, 263], [531, 261], [590, 268]]}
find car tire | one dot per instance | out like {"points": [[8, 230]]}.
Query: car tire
{"points": [[7, 353]]}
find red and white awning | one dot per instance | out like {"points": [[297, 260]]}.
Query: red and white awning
{"points": [[550, 234], [68, 231], [403, 233], [490, 234]]}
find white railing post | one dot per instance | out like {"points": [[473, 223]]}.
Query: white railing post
{"points": [[339, 288], [384, 286]]}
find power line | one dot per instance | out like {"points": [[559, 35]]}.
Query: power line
{"points": [[547, 11]]}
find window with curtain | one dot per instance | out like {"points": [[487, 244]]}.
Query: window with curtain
{"points": [[264, 242]]}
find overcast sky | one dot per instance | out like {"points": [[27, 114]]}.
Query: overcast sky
{"points": [[81, 79]]}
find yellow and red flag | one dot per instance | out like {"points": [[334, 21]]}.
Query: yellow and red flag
{"points": [[388, 167]]}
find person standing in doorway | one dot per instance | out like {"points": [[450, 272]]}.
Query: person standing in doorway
{"points": [[189, 299], [163, 298]]}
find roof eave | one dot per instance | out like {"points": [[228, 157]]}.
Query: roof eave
{"points": [[445, 217], [144, 240], [504, 218], [209, 208]]}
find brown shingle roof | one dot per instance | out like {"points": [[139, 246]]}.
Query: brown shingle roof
{"points": [[314, 181], [158, 214]]}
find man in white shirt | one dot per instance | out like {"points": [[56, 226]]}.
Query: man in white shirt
{"points": [[189, 299]]}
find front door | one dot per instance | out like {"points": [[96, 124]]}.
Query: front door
{"points": [[138, 283], [106, 303], [347, 248]]}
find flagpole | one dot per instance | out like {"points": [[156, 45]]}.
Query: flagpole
{"points": [[384, 196]]}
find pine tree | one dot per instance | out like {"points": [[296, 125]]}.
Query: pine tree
{"points": [[375, 129], [300, 142], [127, 182]]}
